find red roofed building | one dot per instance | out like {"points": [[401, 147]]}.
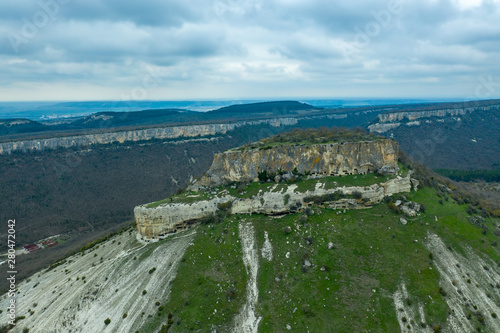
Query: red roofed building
{"points": [[31, 247]]}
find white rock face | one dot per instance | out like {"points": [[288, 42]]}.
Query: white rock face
{"points": [[467, 284], [154, 223], [136, 135], [382, 128], [290, 200], [247, 321], [80, 294], [408, 312], [454, 277], [173, 132], [318, 159], [267, 248], [391, 120]]}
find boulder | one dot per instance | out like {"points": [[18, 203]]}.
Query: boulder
{"points": [[414, 183]]}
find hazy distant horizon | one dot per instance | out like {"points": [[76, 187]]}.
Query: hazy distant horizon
{"points": [[38, 110]]}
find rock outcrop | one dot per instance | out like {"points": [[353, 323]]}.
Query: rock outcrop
{"points": [[242, 165], [156, 222], [391, 120], [290, 200], [325, 159]]}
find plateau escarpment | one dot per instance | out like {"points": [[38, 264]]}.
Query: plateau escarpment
{"points": [[154, 223], [173, 132], [110, 136], [296, 175], [324, 159], [391, 120], [463, 138]]}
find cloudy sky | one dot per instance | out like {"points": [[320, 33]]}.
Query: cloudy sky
{"points": [[234, 49]]}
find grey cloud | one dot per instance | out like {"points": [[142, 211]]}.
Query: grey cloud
{"points": [[237, 44], [148, 13]]}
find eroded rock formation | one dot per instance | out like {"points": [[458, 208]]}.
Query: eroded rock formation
{"points": [[324, 159], [156, 222], [241, 165]]}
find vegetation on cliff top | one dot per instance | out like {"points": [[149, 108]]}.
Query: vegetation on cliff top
{"points": [[311, 136], [275, 108], [249, 190]]}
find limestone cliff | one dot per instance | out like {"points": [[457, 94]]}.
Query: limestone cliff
{"points": [[390, 120], [161, 133], [325, 159], [242, 165], [156, 222]]}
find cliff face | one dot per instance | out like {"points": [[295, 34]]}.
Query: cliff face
{"points": [[134, 135], [174, 132], [410, 116], [325, 159], [289, 200], [392, 120], [155, 223], [241, 165]]}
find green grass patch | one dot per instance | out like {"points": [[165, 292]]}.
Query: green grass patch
{"points": [[373, 254], [185, 197], [210, 286], [403, 170], [355, 180], [254, 188], [453, 225]]}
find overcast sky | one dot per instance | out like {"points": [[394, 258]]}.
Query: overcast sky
{"points": [[203, 49]]}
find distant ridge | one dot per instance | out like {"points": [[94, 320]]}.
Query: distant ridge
{"points": [[134, 118], [155, 117], [280, 107], [16, 129]]}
